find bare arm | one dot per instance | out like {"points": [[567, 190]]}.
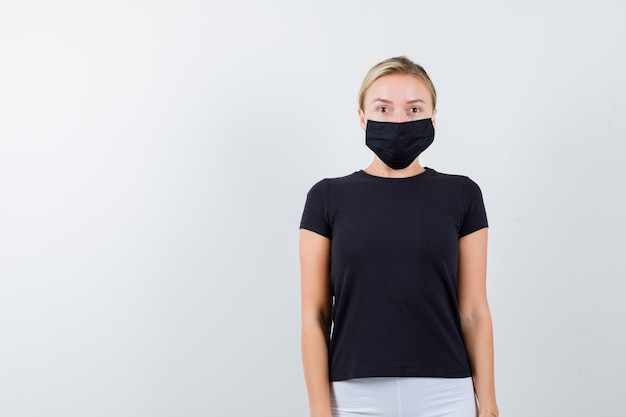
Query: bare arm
{"points": [[476, 317], [316, 318]]}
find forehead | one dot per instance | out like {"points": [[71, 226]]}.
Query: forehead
{"points": [[398, 87]]}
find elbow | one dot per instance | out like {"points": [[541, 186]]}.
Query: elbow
{"points": [[475, 317], [319, 319], [324, 321]]}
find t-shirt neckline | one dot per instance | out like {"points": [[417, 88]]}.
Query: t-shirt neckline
{"points": [[427, 171]]}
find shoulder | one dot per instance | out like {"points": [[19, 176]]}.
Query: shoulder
{"points": [[453, 180], [326, 183], [447, 177]]}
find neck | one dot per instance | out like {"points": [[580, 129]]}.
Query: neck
{"points": [[379, 169]]}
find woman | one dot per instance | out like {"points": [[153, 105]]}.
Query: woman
{"points": [[393, 260]]}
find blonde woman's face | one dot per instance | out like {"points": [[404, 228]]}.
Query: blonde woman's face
{"points": [[397, 98]]}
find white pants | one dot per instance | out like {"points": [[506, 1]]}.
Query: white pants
{"points": [[403, 397]]}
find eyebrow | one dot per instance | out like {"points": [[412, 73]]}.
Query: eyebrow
{"points": [[417, 100]]}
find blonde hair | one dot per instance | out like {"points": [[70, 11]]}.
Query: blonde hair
{"points": [[396, 65]]}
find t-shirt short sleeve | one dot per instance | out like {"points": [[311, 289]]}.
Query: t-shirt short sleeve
{"points": [[315, 216], [475, 216]]}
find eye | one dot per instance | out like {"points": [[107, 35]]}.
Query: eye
{"points": [[382, 109], [415, 110]]}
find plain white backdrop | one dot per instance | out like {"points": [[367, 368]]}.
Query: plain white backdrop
{"points": [[155, 157]]}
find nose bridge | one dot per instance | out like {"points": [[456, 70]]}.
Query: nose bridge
{"points": [[399, 116]]}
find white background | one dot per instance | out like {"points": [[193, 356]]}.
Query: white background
{"points": [[155, 158]]}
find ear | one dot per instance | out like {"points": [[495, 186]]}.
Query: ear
{"points": [[362, 119], [434, 118]]}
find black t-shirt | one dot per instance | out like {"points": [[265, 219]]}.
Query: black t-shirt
{"points": [[393, 271]]}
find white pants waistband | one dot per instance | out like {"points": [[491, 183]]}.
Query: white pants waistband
{"points": [[403, 397]]}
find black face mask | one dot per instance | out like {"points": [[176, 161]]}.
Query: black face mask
{"points": [[398, 144]]}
